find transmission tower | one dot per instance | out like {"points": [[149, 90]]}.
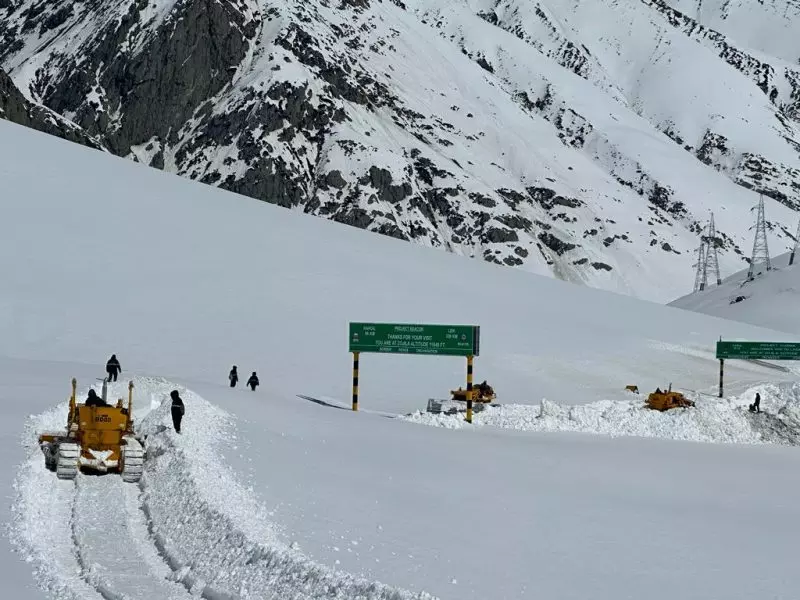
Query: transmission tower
{"points": [[701, 273], [760, 250], [796, 244], [712, 261]]}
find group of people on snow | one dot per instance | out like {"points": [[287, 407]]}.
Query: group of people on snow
{"points": [[233, 377], [177, 408]]}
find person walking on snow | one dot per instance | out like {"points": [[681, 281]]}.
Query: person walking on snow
{"points": [[756, 406], [177, 410], [233, 376], [253, 381], [113, 368]]}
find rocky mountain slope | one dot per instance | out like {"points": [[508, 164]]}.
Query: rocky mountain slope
{"points": [[15, 107], [582, 140]]}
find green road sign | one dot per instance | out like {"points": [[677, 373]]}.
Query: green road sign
{"points": [[409, 338], [756, 350]]}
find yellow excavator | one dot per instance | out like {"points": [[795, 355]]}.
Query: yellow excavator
{"points": [[99, 437]]}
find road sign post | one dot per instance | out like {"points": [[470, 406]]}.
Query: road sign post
{"points": [[754, 351], [415, 338], [469, 389], [355, 381]]}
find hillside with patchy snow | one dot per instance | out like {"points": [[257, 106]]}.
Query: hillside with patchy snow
{"points": [[585, 141]]}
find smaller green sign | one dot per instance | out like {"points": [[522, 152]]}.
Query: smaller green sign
{"points": [[415, 338], [759, 350]]}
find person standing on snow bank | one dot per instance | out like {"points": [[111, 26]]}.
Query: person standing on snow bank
{"points": [[113, 368], [233, 376], [756, 406], [177, 410], [253, 381]]}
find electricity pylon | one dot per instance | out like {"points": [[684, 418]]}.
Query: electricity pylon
{"points": [[760, 249]]}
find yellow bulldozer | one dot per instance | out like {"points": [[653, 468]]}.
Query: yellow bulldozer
{"points": [[668, 399], [482, 392], [98, 438]]}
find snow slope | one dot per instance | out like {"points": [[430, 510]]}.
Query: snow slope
{"points": [[268, 495], [581, 140], [181, 278], [770, 300]]}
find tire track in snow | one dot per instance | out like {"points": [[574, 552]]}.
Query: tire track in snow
{"points": [[113, 545]]}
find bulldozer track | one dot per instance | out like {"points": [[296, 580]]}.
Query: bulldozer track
{"points": [[112, 543]]}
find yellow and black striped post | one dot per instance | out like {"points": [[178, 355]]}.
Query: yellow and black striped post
{"points": [[469, 389], [721, 371], [355, 380]]}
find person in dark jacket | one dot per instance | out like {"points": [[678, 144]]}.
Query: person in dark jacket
{"points": [[253, 381], [94, 400], [233, 376], [177, 410], [113, 368]]}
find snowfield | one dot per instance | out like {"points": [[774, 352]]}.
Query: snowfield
{"points": [[271, 495], [203, 520]]}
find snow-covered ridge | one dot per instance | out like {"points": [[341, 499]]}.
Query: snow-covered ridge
{"points": [[768, 300], [189, 529], [585, 141], [712, 420]]}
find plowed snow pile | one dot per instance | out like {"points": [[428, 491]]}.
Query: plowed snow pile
{"points": [[189, 522], [711, 420]]}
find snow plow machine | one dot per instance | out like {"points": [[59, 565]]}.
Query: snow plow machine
{"points": [[97, 438], [667, 399], [482, 395]]}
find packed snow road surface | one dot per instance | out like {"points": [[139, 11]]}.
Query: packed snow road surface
{"points": [[188, 529], [112, 543]]}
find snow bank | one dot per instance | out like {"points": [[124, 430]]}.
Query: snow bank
{"points": [[711, 420], [211, 530]]}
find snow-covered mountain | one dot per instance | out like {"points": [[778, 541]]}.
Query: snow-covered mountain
{"points": [[582, 140]]}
